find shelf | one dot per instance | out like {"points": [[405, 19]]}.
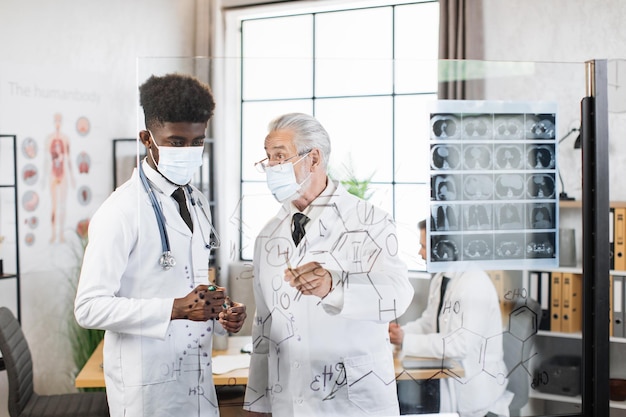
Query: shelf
{"points": [[570, 204], [577, 204], [572, 400], [548, 333], [618, 404], [7, 276], [10, 218], [559, 334], [554, 397]]}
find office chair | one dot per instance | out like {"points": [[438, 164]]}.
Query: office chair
{"points": [[23, 400]]}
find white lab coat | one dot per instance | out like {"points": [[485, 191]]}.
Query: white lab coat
{"points": [[330, 357], [153, 366], [470, 326]]}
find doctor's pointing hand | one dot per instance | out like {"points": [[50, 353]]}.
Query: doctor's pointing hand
{"points": [[310, 279]]}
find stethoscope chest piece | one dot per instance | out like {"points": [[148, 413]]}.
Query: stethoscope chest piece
{"points": [[167, 261]]}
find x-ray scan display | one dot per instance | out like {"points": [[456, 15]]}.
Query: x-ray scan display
{"points": [[509, 216], [541, 157], [508, 126], [508, 156], [477, 157], [444, 218], [445, 157], [494, 199], [445, 126]]}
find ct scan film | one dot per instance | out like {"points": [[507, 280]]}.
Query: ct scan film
{"points": [[494, 199]]}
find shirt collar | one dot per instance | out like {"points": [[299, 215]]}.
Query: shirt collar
{"points": [[158, 181], [315, 208]]}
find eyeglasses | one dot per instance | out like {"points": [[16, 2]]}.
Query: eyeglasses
{"points": [[263, 165]]}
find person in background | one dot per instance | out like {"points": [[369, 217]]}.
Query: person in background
{"points": [[155, 303], [462, 321], [327, 281]]}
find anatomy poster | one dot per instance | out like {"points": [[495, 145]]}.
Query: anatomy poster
{"points": [[494, 200], [63, 160]]}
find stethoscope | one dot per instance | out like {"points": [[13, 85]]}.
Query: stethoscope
{"points": [[167, 259]]}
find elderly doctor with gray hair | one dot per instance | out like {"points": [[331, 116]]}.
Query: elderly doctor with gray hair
{"points": [[327, 281]]}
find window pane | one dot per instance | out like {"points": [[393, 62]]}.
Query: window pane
{"points": [[412, 205], [381, 195], [354, 52], [276, 65], [361, 135], [258, 206], [255, 118], [416, 47], [412, 138]]}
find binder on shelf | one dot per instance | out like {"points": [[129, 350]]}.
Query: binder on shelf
{"points": [[619, 229], [571, 302], [539, 290], [497, 278], [612, 238], [618, 306], [611, 319], [533, 285], [545, 283], [555, 301]]}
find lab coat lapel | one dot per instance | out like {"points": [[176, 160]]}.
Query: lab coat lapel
{"points": [[174, 219]]}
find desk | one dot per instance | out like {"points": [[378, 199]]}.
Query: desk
{"points": [[92, 375]]}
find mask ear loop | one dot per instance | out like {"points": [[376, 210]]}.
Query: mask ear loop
{"points": [[306, 155], [150, 149]]}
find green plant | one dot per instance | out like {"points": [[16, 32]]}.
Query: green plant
{"points": [[83, 341], [354, 185]]}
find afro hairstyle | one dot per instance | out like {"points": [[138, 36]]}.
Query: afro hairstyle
{"points": [[175, 98]]}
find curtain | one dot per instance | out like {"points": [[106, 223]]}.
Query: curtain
{"points": [[460, 42]]}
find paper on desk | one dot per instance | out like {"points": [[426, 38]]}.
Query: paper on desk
{"points": [[226, 363]]}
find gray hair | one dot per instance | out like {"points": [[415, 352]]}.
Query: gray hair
{"points": [[308, 133]]}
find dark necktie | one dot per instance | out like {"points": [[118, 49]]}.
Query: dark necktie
{"points": [[179, 196], [444, 284], [298, 222]]}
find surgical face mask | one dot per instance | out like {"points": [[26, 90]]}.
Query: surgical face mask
{"points": [[281, 180], [178, 164]]}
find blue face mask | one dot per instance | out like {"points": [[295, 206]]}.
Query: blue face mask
{"points": [[178, 164], [281, 180]]}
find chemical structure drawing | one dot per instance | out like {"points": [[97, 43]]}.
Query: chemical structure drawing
{"points": [[193, 366], [358, 244], [518, 338]]}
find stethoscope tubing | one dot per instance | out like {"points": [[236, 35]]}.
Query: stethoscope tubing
{"points": [[167, 260]]}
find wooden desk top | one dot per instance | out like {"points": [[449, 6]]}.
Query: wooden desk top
{"points": [[92, 374]]}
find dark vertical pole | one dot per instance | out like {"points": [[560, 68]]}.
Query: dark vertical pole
{"points": [[17, 235], [595, 168]]}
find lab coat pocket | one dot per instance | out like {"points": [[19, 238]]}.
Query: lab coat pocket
{"points": [[147, 361], [371, 382]]}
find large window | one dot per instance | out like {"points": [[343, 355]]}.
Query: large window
{"points": [[367, 73]]}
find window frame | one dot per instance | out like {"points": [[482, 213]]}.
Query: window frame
{"points": [[233, 21]]}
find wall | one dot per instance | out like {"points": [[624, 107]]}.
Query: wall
{"points": [[92, 46], [563, 31]]}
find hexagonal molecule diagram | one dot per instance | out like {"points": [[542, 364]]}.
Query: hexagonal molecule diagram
{"points": [[355, 251], [473, 357], [279, 320], [518, 340]]}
